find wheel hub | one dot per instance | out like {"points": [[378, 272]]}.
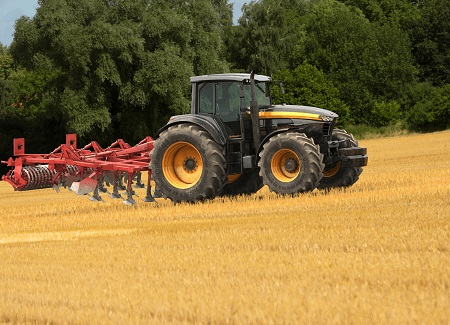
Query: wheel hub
{"points": [[190, 165], [290, 165]]}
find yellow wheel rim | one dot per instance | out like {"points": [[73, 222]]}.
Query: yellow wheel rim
{"points": [[285, 165], [182, 165], [233, 178], [329, 172]]}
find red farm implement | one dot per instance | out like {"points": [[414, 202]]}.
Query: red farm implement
{"points": [[86, 171]]}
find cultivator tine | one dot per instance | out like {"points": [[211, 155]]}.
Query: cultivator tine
{"points": [[137, 178], [129, 200], [115, 193], [120, 184], [129, 191], [96, 196], [149, 197], [101, 186]]}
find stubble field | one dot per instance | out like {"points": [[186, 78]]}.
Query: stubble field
{"points": [[378, 252]]}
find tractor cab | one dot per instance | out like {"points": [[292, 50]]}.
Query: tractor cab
{"points": [[228, 96]]}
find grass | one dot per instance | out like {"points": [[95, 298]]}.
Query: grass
{"points": [[363, 131], [378, 252]]}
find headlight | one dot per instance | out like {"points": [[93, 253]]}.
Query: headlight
{"points": [[326, 118]]}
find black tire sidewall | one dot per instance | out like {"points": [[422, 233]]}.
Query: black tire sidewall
{"points": [[300, 182], [199, 190]]}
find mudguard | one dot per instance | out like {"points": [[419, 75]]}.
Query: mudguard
{"points": [[212, 124]]}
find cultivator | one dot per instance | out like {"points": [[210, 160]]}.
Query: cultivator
{"points": [[86, 171]]}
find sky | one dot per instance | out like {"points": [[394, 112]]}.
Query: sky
{"points": [[11, 10]]}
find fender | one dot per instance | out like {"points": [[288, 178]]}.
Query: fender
{"points": [[212, 124], [267, 137]]}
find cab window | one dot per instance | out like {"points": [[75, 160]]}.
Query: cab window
{"points": [[206, 98]]}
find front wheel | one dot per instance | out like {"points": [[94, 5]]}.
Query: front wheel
{"points": [[187, 164], [291, 163]]}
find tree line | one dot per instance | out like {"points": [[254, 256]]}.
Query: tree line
{"points": [[120, 68]]}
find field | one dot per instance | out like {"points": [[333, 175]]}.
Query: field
{"points": [[378, 252]]}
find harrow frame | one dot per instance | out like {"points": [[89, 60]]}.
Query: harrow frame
{"points": [[84, 170]]}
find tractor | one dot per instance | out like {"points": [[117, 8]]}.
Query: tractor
{"points": [[234, 141]]}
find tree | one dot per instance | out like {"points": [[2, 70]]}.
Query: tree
{"points": [[6, 86], [306, 85], [120, 68], [368, 62], [431, 41], [429, 107], [266, 35], [402, 12]]}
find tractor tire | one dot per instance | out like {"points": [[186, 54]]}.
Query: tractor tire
{"points": [[247, 183], [291, 163], [187, 164], [336, 176]]}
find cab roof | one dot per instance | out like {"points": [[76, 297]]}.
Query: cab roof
{"points": [[229, 77]]}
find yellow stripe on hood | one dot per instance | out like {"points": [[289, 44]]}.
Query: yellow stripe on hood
{"points": [[294, 115]]}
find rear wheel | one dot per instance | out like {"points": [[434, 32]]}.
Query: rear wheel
{"points": [[334, 174], [187, 164], [247, 183], [291, 163]]}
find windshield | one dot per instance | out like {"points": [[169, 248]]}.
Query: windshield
{"points": [[261, 91]]}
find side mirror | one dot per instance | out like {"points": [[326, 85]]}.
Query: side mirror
{"points": [[280, 84]]}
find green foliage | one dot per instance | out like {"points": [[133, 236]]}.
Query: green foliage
{"points": [[306, 85], [266, 35], [430, 37], [385, 113], [430, 107], [368, 62], [365, 131], [6, 65], [120, 67], [7, 88], [362, 46], [403, 12]]}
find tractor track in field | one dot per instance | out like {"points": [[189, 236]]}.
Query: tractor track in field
{"points": [[61, 235]]}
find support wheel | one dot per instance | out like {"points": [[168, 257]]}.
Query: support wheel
{"points": [[336, 176], [247, 183], [291, 163], [187, 164]]}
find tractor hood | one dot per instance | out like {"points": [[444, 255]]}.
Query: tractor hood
{"points": [[297, 112]]}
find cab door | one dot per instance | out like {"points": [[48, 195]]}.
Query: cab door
{"points": [[221, 98]]}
